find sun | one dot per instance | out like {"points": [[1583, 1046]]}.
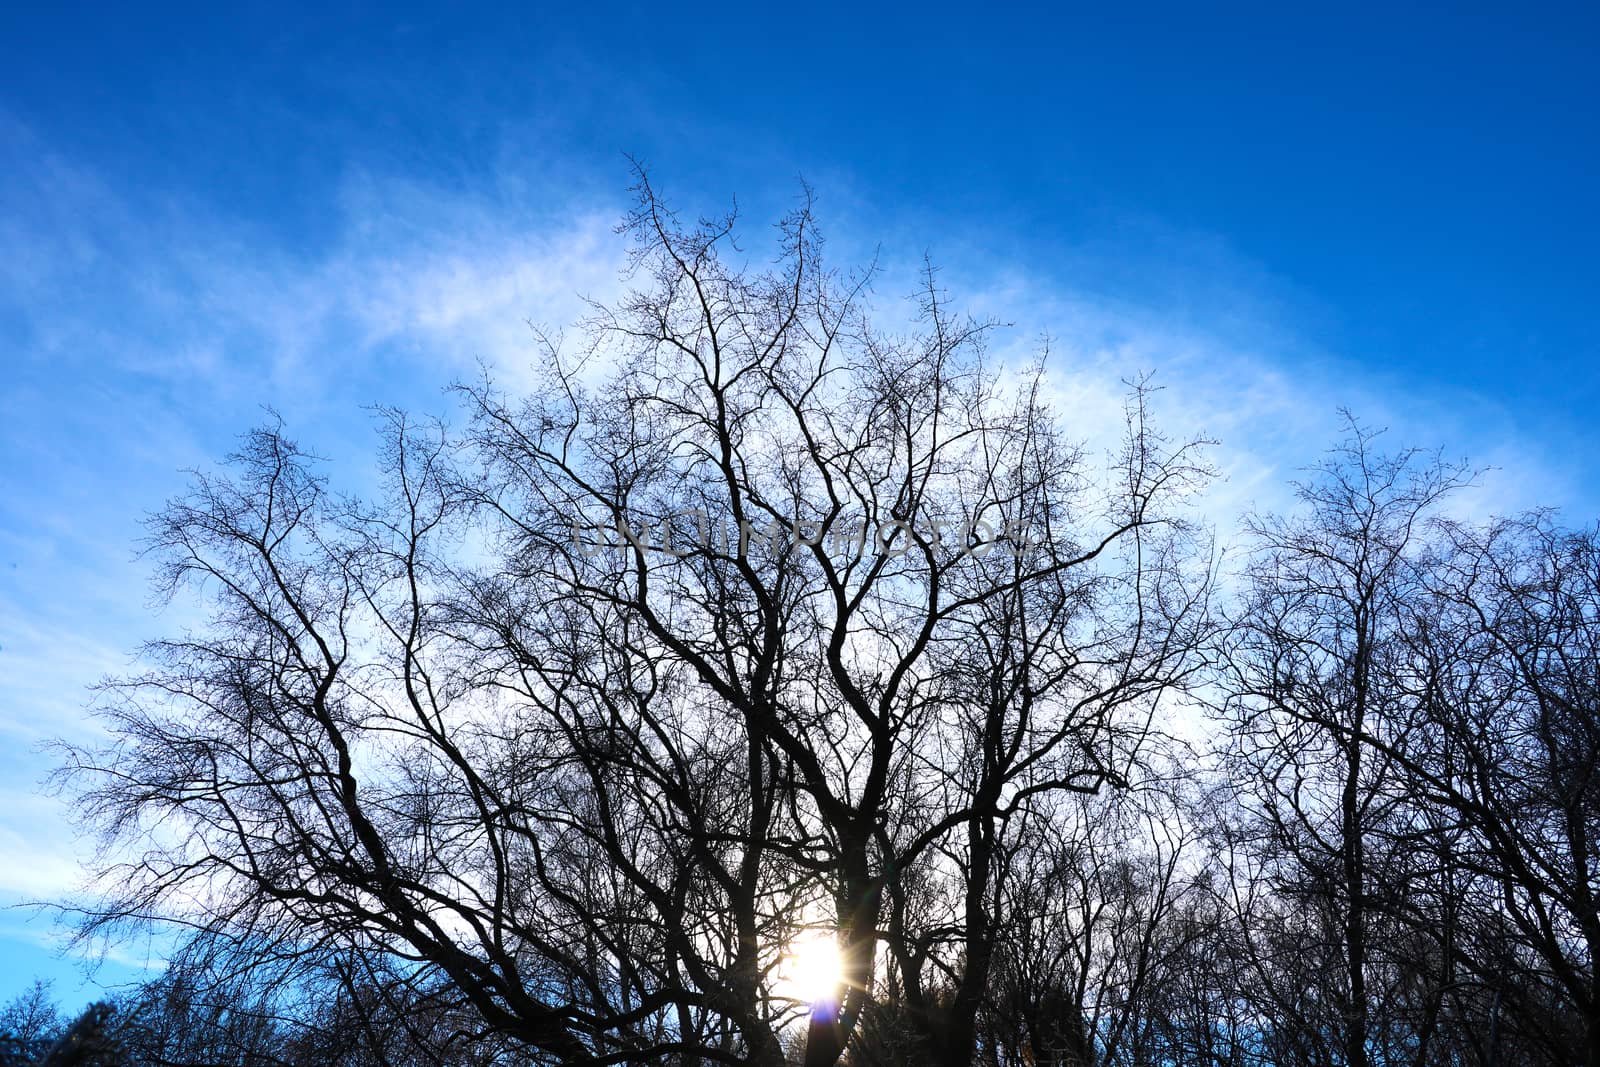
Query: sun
{"points": [[810, 970]]}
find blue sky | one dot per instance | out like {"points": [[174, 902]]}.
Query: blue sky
{"points": [[205, 212]]}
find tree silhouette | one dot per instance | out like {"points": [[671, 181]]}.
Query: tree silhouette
{"points": [[781, 622]]}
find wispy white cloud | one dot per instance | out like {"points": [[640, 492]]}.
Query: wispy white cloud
{"points": [[39, 867], [1231, 363]]}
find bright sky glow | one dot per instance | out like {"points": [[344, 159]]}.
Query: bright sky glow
{"points": [[810, 971]]}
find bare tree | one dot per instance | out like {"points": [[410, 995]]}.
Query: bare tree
{"points": [[1315, 667], [1094, 930], [891, 705], [29, 1024], [753, 618], [1511, 643], [1412, 745]]}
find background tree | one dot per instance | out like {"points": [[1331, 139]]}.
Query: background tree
{"points": [[29, 1025], [1511, 643], [1315, 666]]}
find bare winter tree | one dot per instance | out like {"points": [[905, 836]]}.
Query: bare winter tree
{"points": [[1412, 743], [751, 618], [1317, 666], [1095, 931], [1509, 643]]}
